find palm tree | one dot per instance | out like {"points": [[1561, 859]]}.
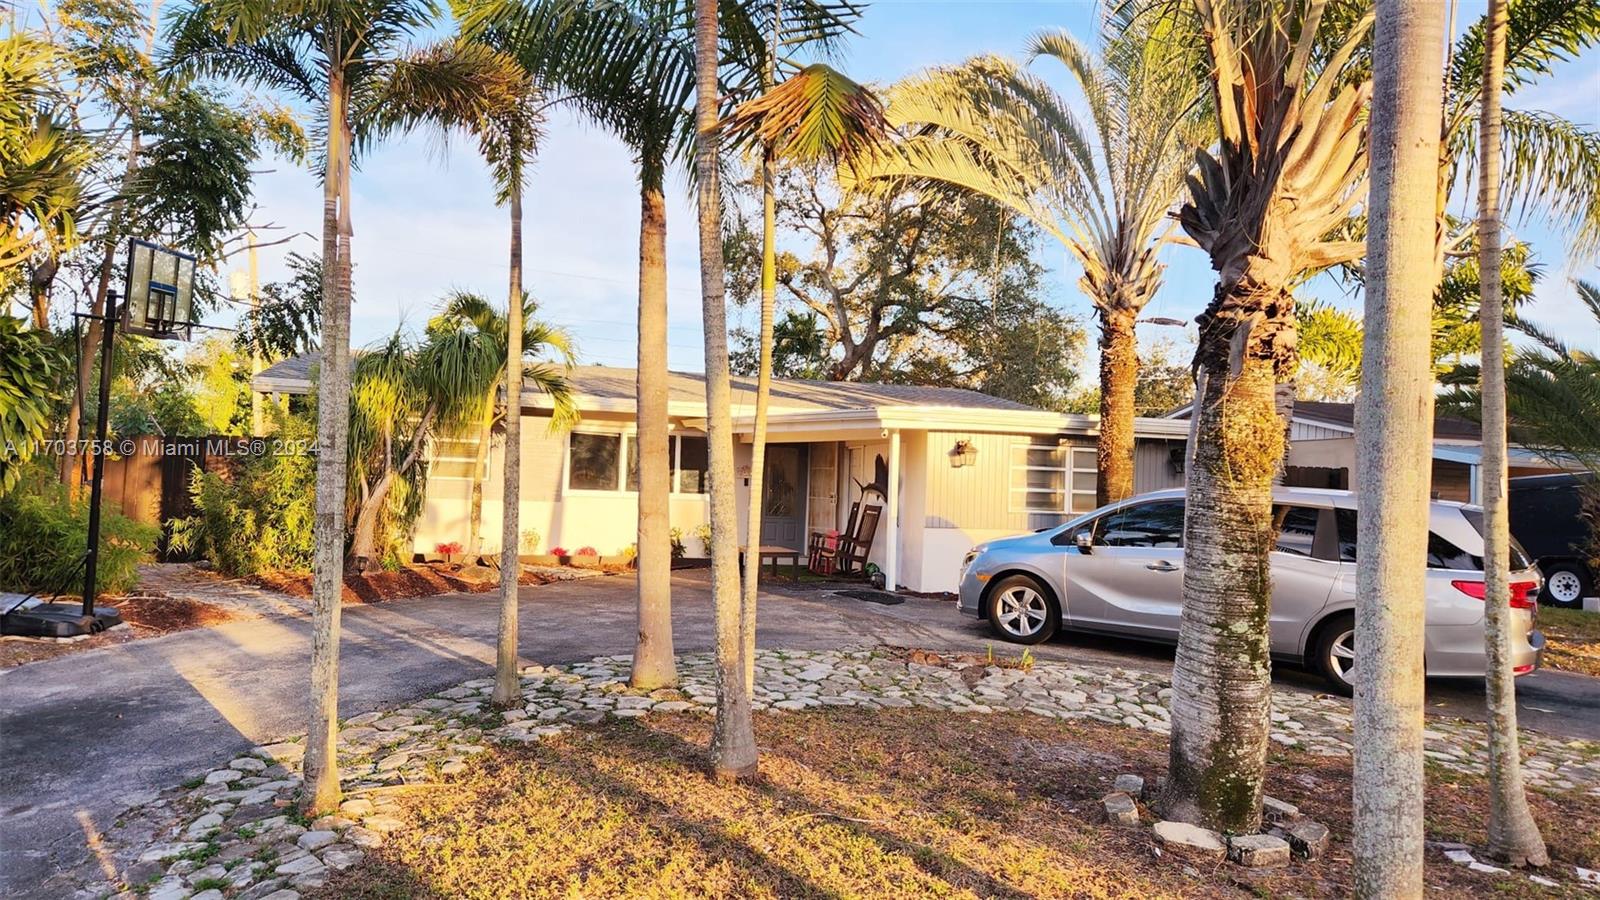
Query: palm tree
{"points": [[1513, 834], [993, 128], [733, 742], [814, 115], [1393, 449], [334, 56], [510, 335], [1288, 167]]}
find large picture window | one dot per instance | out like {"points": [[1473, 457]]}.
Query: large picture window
{"points": [[610, 462], [1052, 478]]}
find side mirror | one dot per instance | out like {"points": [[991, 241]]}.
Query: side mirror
{"points": [[1085, 541]]}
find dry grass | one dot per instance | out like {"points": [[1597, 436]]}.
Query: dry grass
{"points": [[1574, 639], [895, 803]]}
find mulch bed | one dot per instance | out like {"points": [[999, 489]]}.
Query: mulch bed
{"points": [[143, 615], [886, 803], [421, 580]]}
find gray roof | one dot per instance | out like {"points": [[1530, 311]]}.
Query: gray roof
{"points": [[293, 375]]}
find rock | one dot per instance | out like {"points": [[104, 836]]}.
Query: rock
{"points": [[393, 761], [205, 823], [248, 764], [454, 767], [364, 838], [304, 865], [168, 889], [209, 872], [1192, 838], [356, 808], [339, 860], [1460, 857], [161, 852], [1275, 810], [1120, 809], [284, 894], [1130, 784], [1258, 850], [1487, 869], [478, 574], [316, 840], [1307, 839], [223, 776], [209, 894]]}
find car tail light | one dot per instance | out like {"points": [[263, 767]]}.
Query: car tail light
{"points": [[1522, 592], [1522, 669]]}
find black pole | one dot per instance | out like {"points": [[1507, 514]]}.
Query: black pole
{"points": [[102, 416]]}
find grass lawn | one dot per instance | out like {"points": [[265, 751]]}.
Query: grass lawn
{"points": [[857, 803], [1574, 637]]}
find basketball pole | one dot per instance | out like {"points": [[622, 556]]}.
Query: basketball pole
{"points": [[97, 480]]}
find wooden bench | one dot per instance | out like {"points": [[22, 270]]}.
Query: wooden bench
{"points": [[775, 554]]}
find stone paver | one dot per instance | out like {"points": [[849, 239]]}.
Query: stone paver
{"points": [[235, 816]]}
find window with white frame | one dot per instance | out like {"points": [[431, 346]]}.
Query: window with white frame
{"points": [[609, 462], [1052, 478]]}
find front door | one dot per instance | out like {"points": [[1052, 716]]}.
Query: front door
{"points": [[783, 510]]}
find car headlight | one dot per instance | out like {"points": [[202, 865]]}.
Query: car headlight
{"points": [[966, 561]]}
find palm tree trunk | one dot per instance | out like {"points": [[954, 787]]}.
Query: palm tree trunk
{"points": [[1394, 448], [758, 442], [1513, 835], [321, 766], [733, 743], [39, 283], [1222, 678], [479, 463], [507, 683], [364, 535], [653, 663], [1119, 371]]}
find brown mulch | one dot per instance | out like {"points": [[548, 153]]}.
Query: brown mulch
{"points": [[144, 615], [886, 803], [419, 580]]}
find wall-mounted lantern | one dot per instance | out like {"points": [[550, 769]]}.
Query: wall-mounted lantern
{"points": [[965, 453]]}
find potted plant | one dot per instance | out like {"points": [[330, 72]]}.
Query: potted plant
{"points": [[528, 547], [586, 558], [624, 558], [562, 557], [448, 550]]}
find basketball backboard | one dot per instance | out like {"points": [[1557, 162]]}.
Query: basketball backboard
{"points": [[160, 294]]}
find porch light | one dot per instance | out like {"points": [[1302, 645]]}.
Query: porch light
{"points": [[965, 453]]}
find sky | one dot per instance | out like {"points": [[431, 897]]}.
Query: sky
{"points": [[426, 224]]}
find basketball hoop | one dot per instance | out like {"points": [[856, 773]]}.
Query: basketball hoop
{"points": [[160, 295]]}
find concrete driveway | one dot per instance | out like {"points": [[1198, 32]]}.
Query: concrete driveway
{"points": [[86, 735]]}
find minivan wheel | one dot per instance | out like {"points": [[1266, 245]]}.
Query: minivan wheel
{"points": [[1021, 611], [1335, 653], [1565, 584]]}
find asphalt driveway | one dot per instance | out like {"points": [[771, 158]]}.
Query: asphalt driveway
{"points": [[86, 735]]}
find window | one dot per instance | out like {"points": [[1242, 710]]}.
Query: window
{"points": [[691, 474], [1052, 478], [610, 462], [592, 461], [1146, 525], [1442, 554], [1297, 529]]}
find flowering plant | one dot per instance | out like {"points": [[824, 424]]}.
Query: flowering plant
{"points": [[587, 551], [450, 549]]}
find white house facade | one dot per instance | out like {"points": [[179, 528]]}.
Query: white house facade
{"points": [[950, 467]]}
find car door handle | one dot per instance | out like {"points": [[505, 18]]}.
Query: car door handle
{"points": [[1162, 566]]}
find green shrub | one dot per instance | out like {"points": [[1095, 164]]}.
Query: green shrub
{"points": [[44, 534], [258, 518]]}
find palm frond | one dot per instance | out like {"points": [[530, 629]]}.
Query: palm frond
{"points": [[816, 114]]}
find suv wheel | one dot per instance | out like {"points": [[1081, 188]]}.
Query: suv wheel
{"points": [[1565, 584], [1335, 653], [1021, 611]]}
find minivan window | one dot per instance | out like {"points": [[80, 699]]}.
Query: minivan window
{"points": [[1297, 529], [1442, 554], [1519, 557], [1146, 525]]}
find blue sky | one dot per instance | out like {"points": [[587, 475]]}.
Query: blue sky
{"points": [[425, 222]]}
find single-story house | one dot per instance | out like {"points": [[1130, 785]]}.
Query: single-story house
{"points": [[1322, 451], [950, 467]]}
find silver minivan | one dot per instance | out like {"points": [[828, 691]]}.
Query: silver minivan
{"points": [[1119, 570]]}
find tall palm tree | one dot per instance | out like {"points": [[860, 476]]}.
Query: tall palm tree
{"points": [[733, 742], [1513, 834], [332, 55], [511, 335], [999, 130], [817, 114], [1392, 448], [1288, 166]]}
